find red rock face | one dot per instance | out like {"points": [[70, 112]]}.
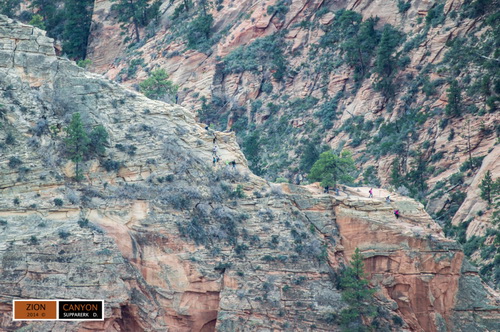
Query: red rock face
{"points": [[422, 281]]}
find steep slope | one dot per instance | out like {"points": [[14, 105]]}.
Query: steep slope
{"points": [[171, 242], [294, 77]]}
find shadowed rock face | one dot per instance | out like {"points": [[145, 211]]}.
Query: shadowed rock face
{"points": [[169, 245]]}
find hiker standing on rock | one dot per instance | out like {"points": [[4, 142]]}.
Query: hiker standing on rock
{"points": [[371, 193], [396, 213]]}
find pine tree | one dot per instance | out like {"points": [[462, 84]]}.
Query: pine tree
{"points": [[77, 142], [199, 30], [454, 107], [158, 86], [330, 168], [386, 63], [78, 17], [487, 187], [53, 16], [359, 49], [136, 12], [356, 293]]}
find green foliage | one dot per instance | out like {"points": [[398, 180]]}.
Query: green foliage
{"points": [[157, 85], [473, 244], [80, 145], [251, 148], [136, 12], [370, 177], [489, 188], [78, 17], [435, 16], [476, 8], [14, 162], [37, 21], [328, 110], [52, 16], [239, 192], [397, 136], [403, 6], [63, 234], [76, 142], [98, 138], [58, 202], [262, 55], [198, 33], [280, 9], [357, 294], [471, 164], [309, 153], [454, 107], [111, 165], [33, 240], [84, 63], [357, 128], [330, 168], [414, 179], [133, 66], [386, 62], [360, 48], [10, 139], [9, 7]]}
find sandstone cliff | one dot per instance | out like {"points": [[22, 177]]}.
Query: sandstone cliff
{"points": [[172, 243], [283, 116]]}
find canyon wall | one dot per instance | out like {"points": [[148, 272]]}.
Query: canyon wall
{"points": [[171, 242]]}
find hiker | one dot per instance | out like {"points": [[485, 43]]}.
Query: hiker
{"points": [[215, 160], [371, 193], [206, 127], [388, 199], [396, 213], [327, 189], [214, 150], [215, 138], [234, 164], [227, 164], [337, 191]]}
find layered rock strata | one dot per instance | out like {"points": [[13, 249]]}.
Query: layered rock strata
{"points": [[173, 243]]}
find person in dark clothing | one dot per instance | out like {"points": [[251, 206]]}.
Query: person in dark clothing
{"points": [[371, 193], [234, 164], [396, 213], [327, 190], [215, 138]]}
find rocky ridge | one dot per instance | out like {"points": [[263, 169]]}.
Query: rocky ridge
{"points": [[202, 75], [172, 243]]}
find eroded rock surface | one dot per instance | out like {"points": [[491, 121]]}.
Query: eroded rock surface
{"points": [[171, 243]]}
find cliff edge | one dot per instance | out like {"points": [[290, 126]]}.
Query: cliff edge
{"points": [[173, 243]]}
